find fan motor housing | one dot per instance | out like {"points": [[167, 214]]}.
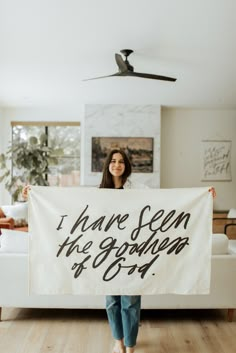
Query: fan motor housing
{"points": [[126, 53]]}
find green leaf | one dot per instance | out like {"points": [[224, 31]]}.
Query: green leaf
{"points": [[30, 161], [33, 140], [2, 177], [2, 158]]}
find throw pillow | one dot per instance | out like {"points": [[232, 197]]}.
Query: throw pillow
{"points": [[232, 213], [19, 212]]}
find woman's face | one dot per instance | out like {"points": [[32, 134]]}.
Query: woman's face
{"points": [[117, 165]]}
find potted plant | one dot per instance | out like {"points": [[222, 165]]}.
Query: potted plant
{"points": [[29, 162]]}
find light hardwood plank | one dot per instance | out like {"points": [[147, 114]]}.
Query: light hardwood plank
{"points": [[87, 331]]}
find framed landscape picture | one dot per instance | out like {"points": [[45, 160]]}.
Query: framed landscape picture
{"points": [[138, 149]]}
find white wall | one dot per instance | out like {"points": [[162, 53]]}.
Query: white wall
{"points": [[1, 128], [181, 135], [117, 120], [4, 138]]}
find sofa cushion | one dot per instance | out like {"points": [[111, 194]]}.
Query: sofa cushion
{"points": [[220, 244], [12, 241], [19, 212]]}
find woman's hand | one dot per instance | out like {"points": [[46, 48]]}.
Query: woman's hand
{"points": [[213, 191], [25, 192]]}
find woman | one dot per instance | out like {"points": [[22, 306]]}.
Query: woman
{"points": [[123, 311]]}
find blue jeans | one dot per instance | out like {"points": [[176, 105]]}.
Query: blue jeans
{"points": [[124, 315]]}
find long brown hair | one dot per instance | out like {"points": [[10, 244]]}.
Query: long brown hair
{"points": [[107, 181]]}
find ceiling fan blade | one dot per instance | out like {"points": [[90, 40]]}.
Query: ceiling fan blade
{"points": [[150, 76], [120, 62], [126, 69], [97, 78]]}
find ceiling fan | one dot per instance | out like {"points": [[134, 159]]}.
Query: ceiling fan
{"points": [[125, 69]]}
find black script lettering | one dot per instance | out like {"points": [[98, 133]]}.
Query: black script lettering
{"points": [[176, 244], [99, 222], [165, 220], [122, 249], [153, 248], [74, 246], [80, 266], [157, 246], [136, 231], [80, 220], [142, 247], [116, 267], [107, 245], [176, 222], [119, 221], [131, 267], [144, 268], [116, 262], [179, 244], [62, 219]]}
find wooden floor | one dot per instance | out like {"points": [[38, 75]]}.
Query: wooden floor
{"points": [[84, 331]]}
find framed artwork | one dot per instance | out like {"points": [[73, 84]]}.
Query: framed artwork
{"points": [[138, 149], [216, 156]]}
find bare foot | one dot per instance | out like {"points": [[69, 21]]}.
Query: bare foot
{"points": [[119, 347], [129, 349]]}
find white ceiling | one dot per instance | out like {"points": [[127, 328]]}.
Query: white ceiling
{"points": [[48, 46]]}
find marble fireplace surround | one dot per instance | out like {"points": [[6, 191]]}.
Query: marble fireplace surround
{"points": [[117, 120]]}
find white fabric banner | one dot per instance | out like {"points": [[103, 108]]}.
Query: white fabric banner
{"points": [[105, 241]]}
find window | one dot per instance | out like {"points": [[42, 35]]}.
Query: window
{"points": [[59, 136]]}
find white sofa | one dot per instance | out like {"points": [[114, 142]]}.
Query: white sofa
{"points": [[14, 281]]}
